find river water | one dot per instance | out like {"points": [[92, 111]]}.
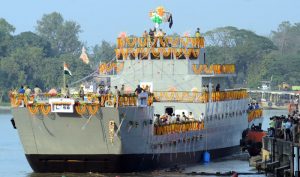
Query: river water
{"points": [[14, 164]]}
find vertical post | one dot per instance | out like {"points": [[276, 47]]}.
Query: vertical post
{"points": [[143, 68], [152, 68], [133, 71], [99, 67], [64, 77]]}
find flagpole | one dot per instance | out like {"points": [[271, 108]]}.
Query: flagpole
{"points": [[64, 77]]}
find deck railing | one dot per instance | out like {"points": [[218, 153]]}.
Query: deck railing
{"points": [[168, 41], [214, 69], [157, 47], [199, 97], [131, 99], [254, 114], [94, 101], [178, 127]]}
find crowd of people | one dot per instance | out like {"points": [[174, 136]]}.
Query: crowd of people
{"points": [[116, 92], [103, 90], [159, 33], [26, 90], [253, 106], [172, 118], [285, 127], [205, 88]]}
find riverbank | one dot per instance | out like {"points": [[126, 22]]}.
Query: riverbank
{"points": [[5, 106]]}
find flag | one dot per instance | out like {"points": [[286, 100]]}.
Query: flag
{"points": [[66, 70], [170, 20], [84, 56]]}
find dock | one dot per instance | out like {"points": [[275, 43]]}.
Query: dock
{"points": [[279, 157]]}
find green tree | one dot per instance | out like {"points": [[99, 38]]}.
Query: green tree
{"points": [[104, 52], [63, 35], [26, 39], [6, 31], [239, 46], [287, 38]]}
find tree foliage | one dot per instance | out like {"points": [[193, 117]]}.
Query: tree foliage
{"points": [[287, 38], [242, 47], [6, 31], [104, 52], [63, 35]]}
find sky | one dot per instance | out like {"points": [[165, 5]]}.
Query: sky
{"points": [[104, 20]]}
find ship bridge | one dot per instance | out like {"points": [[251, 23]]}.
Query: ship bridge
{"points": [[164, 62], [169, 47]]}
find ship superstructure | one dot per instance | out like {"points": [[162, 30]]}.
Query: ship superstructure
{"points": [[119, 133]]}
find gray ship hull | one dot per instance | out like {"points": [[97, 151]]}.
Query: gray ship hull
{"points": [[61, 142], [120, 163]]}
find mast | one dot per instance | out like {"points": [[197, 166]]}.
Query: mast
{"points": [[64, 77]]}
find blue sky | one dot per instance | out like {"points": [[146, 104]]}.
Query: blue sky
{"points": [[104, 20]]}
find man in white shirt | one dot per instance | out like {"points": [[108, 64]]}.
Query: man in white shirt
{"points": [[296, 102], [173, 118], [201, 117], [191, 116]]}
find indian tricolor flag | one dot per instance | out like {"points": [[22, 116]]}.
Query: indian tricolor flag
{"points": [[66, 70]]}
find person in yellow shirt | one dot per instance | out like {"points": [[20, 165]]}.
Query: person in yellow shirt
{"points": [[197, 33]]}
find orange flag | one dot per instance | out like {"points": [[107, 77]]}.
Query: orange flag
{"points": [[84, 56]]}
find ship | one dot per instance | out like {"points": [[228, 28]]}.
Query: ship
{"points": [[274, 99], [123, 133]]}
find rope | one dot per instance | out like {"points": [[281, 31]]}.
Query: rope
{"points": [[103, 133], [90, 75], [116, 133]]}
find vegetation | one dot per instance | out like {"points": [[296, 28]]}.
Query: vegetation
{"points": [[257, 57], [31, 58]]}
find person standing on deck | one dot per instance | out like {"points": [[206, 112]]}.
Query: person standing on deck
{"points": [[296, 102], [27, 91], [81, 92], [100, 92], [145, 35], [272, 127], [201, 117], [22, 90], [191, 116], [173, 118], [138, 90], [218, 88], [184, 117], [116, 93], [67, 92], [122, 91], [37, 90], [288, 126], [197, 33]]}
